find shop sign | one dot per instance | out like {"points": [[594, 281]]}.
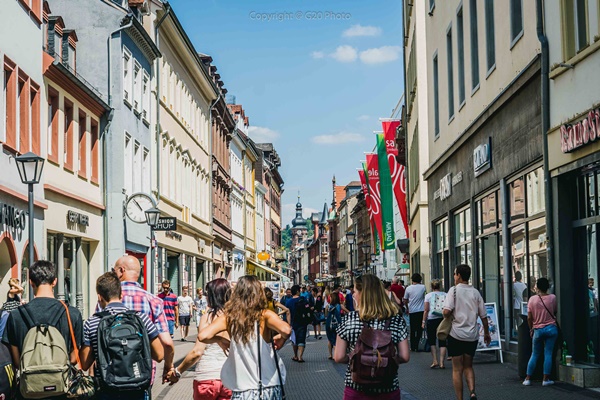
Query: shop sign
{"points": [[166, 224], [445, 187], [77, 218], [574, 136], [11, 218], [482, 158], [173, 235]]}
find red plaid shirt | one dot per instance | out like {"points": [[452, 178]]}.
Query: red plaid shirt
{"points": [[137, 299]]}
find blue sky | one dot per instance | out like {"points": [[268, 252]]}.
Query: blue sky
{"points": [[313, 77]]}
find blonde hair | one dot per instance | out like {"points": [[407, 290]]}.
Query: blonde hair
{"points": [[436, 284], [374, 302], [13, 281]]}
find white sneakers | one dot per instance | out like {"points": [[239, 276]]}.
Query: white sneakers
{"points": [[527, 382]]}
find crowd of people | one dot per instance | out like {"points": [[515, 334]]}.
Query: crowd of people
{"points": [[371, 326]]}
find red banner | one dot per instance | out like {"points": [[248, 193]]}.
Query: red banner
{"points": [[374, 191], [365, 189], [396, 169]]}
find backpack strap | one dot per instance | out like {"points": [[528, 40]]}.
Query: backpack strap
{"points": [[27, 317], [73, 341], [260, 385], [102, 314]]}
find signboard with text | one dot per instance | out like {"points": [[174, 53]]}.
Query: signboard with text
{"points": [[166, 224]]}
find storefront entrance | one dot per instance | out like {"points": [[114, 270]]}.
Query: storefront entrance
{"points": [[8, 261]]}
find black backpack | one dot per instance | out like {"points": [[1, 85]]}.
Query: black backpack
{"points": [[124, 357], [7, 372], [302, 313]]}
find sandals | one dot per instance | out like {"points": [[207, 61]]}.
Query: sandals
{"points": [[330, 358], [295, 359], [301, 361], [473, 395], [434, 365], [442, 367]]}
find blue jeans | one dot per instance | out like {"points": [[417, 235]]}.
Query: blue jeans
{"points": [[171, 327], [543, 341]]}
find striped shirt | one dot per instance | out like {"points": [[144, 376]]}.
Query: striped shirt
{"points": [[90, 329], [169, 304]]}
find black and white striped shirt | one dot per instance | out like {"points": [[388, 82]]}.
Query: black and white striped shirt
{"points": [[90, 328]]}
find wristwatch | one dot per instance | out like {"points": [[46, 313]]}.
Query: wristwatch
{"points": [[177, 373]]}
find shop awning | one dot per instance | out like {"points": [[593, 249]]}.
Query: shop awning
{"points": [[272, 271]]}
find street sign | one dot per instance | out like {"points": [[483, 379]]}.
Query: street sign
{"points": [[166, 224]]}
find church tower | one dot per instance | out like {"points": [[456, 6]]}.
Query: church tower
{"points": [[299, 228]]}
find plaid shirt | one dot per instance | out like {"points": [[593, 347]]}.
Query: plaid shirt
{"points": [[136, 298]]}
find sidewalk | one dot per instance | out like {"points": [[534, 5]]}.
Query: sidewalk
{"points": [[160, 391], [319, 377]]}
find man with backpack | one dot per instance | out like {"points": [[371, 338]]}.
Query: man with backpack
{"points": [[118, 337], [39, 334], [136, 298], [301, 316]]}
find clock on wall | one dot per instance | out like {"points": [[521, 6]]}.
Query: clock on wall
{"points": [[136, 207]]}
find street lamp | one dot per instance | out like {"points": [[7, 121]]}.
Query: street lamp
{"points": [[30, 167], [373, 259], [152, 216], [366, 249], [350, 238]]}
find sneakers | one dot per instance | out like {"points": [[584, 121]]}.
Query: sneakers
{"points": [[527, 382]]}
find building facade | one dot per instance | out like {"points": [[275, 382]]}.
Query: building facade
{"points": [[74, 123], [485, 176], [415, 129], [122, 71], [181, 152], [20, 132], [573, 32], [222, 127]]}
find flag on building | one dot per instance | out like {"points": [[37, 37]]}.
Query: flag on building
{"points": [[365, 189], [384, 192], [397, 170]]}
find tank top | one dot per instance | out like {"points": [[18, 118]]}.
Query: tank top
{"points": [[240, 371], [271, 306], [210, 365]]}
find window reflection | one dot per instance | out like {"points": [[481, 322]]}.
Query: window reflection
{"points": [[535, 192], [517, 200]]}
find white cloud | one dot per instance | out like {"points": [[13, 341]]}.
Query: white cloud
{"points": [[261, 134], [363, 118], [317, 54], [338, 138], [359, 30], [380, 55], [345, 54]]}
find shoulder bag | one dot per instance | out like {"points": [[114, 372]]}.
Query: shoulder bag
{"points": [[559, 338], [81, 386], [260, 385], [443, 331]]}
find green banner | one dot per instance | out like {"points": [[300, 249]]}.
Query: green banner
{"points": [[387, 195]]}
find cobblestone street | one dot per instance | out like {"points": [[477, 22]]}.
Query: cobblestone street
{"points": [[320, 377]]}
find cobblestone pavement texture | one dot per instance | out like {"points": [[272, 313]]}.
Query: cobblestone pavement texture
{"points": [[319, 377]]}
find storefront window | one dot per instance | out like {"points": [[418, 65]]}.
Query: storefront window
{"points": [[517, 200], [462, 236], [535, 192], [442, 253], [487, 215]]}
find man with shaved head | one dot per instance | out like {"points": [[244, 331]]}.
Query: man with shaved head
{"points": [[136, 298]]}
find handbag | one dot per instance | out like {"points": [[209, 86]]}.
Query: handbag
{"points": [[81, 385], [559, 338], [423, 345], [443, 331]]}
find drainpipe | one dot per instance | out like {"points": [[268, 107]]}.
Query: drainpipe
{"points": [[545, 128], [128, 17], [167, 8]]}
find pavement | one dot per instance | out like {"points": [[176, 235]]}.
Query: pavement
{"points": [[320, 377]]}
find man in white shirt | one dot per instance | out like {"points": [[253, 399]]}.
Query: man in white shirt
{"points": [[184, 304], [518, 290], [414, 298], [465, 303]]}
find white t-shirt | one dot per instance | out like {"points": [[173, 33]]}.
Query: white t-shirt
{"points": [[185, 305], [469, 305], [415, 294], [518, 289]]}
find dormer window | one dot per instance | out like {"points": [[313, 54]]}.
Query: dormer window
{"points": [[68, 49]]}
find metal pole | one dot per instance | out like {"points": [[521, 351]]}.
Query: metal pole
{"points": [[79, 274], [351, 268], [31, 239]]}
